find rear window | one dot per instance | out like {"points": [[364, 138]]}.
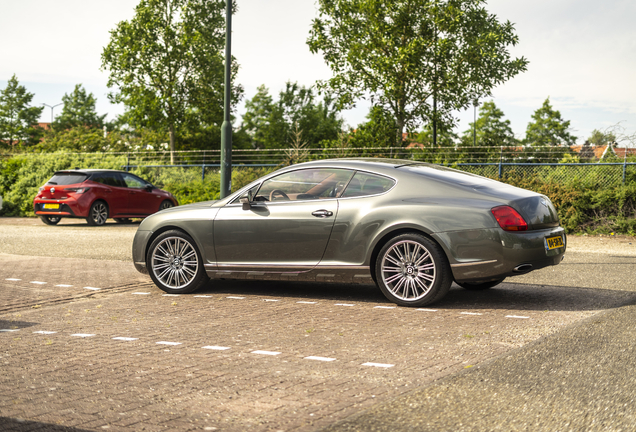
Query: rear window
{"points": [[66, 179]]}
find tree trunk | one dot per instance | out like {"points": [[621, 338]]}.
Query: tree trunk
{"points": [[171, 144]]}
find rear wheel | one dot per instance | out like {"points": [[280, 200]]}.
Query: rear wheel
{"points": [[412, 270], [51, 220], [479, 286], [175, 264], [98, 214]]}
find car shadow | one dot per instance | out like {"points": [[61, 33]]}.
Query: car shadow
{"points": [[4, 324], [502, 297], [14, 424]]}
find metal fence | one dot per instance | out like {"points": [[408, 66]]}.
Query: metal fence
{"points": [[504, 164]]}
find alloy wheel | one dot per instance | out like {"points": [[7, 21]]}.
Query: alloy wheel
{"points": [[174, 262], [408, 270]]}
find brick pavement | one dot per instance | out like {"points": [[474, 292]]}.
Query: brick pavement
{"points": [[97, 382]]}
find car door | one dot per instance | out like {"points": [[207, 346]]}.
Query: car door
{"points": [[113, 192], [287, 226], [141, 201]]}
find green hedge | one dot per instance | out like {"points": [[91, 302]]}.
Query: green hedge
{"points": [[583, 207]]}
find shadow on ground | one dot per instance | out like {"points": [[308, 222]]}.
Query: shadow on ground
{"points": [[18, 425], [505, 296]]}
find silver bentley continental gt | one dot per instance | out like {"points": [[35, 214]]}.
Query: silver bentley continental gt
{"points": [[412, 228]]}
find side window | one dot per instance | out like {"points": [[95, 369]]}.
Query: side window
{"points": [[307, 184], [108, 179], [363, 184], [133, 182]]}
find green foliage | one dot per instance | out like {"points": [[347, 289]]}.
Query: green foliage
{"points": [[601, 138], [18, 121], [378, 131], [491, 129], [548, 128], [405, 54], [168, 66], [271, 124], [85, 139], [78, 110]]}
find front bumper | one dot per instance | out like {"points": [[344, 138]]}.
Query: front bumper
{"points": [[139, 247]]}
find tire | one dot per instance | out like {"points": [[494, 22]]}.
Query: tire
{"points": [[412, 270], [165, 205], [480, 286], [122, 220], [51, 220], [175, 264], [97, 214]]}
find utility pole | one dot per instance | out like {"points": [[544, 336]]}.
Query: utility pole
{"points": [[226, 128]]}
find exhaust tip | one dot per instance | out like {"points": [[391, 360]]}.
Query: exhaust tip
{"points": [[523, 268]]}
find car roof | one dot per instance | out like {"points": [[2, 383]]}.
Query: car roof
{"points": [[87, 171]]}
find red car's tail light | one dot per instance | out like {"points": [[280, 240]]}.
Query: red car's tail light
{"points": [[77, 190], [509, 219]]}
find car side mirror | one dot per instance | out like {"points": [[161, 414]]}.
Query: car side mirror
{"points": [[246, 200], [148, 188]]}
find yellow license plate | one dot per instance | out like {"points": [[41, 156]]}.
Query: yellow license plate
{"points": [[554, 242], [52, 206]]}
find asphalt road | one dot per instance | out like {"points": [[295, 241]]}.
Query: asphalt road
{"points": [[567, 367]]}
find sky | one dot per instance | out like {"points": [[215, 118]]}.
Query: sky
{"points": [[582, 55]]}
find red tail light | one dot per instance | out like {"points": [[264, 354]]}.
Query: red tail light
{"points": [[77, 190], [509, 219]]}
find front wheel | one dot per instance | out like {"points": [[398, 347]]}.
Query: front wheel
{"points": [[165, 205], [175, 264], [97, 214], [51, 220], [480, 286], [412, 270]]}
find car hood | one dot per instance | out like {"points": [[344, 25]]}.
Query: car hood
{"points": [[202, 204]]}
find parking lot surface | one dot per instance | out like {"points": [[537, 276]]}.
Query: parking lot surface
{"points": [[90, 344]]}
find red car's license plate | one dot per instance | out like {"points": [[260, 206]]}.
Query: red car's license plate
{"points": [[51, 206], [554, 242]]}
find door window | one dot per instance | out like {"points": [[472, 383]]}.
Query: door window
{"points": [[307, 184], [134, 181], [108, 179], [363, 184]]}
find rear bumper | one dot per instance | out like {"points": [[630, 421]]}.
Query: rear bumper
{"points": [[68, 208], [490, 254]]}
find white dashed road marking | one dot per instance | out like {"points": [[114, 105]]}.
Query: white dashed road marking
{"points": [[217, 348], [380, 365], [272, 353], [92, 288], [168, 343], [270, 300], [427, 310], [384, 307], [13, 279], [63, 286], [203, 296], [325, 359], [141, 293], [44, 332], [121, 338], [236, 298], [343, 304], [38, 282], [171, 295], [306, 302], [8, 330], [82, 335], [469, 313], [517, 316]]}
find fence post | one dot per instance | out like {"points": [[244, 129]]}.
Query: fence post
{"points": [[127, 162], [625, 166], [500, 165], [203, 172]]}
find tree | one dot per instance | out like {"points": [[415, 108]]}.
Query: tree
{"points": [[79, 110], [168, 65], [18, 120], [417, 59], [273, 124], [548, 128], [491, 129]]}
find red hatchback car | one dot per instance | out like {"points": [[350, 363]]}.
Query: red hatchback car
{"points": [[97, 195]]}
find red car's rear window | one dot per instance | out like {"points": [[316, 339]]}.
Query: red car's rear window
{"points": [[67, 179]]}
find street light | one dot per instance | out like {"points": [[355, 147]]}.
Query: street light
{"points": [[52, 109], [226, 127], [475, 105]]}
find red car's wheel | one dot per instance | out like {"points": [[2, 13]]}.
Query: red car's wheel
{"points": [[98, 214]]}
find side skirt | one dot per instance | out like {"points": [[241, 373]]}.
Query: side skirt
{"points": [[335, 274]]}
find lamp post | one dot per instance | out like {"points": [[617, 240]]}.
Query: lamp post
{"points": [[52, 109], [226, 127], [475, 104]]}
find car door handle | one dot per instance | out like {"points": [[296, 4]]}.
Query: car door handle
{"points": [[322, 213]]}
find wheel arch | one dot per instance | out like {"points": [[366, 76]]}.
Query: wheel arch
{"points": [[166, 228], [385, 237]]}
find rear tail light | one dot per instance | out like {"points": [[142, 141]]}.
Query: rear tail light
{"points": [[77, 190], [509, 219]]}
